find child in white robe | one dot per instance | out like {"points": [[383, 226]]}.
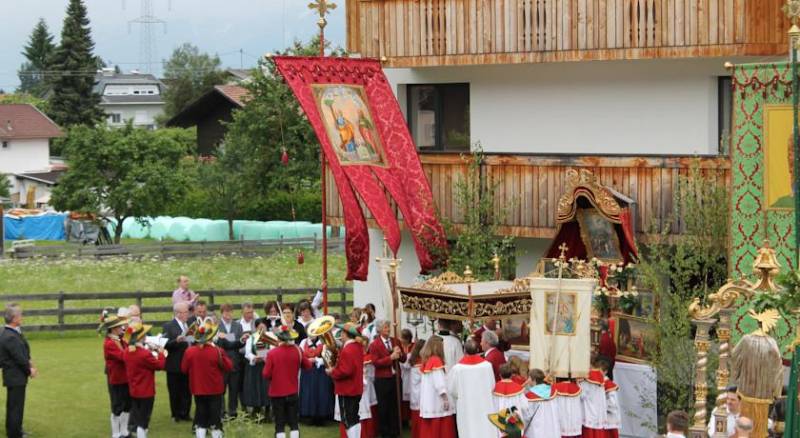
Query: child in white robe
{"points": [[542, 409], [593, 399], [415, 382], [507, 393], [570, 408], [435, 407]]}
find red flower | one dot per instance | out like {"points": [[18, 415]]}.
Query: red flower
{"points": [[512, 420], [284, 328], [202, 330]]}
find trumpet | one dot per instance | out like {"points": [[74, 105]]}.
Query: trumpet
{"points": [[323, 328]]}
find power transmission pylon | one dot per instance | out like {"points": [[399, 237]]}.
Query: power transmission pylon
{"points": [[147, 21]]}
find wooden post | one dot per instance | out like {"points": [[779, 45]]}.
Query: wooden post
{"points": [[211, 299], [139, 299], [344, 304], [702, 343], [61, 311]]}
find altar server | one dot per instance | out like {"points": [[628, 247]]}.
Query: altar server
{"points": [[470, 384], [206, 365], [570, 408], [492, 353], [453, 350], [415, 377], [114, 354], [140, 367], [348, 379], [542, 410], [282, 369], [407, 345], [508, 393], [435, 407], [593, 399], [613, 416]]}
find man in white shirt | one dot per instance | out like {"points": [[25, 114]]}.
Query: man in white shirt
{"points": [[470, 385], [732, 412], [677, 424], [453, 350]]}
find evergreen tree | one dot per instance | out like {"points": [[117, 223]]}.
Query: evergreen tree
{"points": [[74, 101], [39, 54], [189, 74]]}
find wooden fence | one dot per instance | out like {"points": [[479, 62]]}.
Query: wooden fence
{"points": [[340, 300], [173, 249]]}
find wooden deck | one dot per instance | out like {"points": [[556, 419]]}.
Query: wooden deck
{"points": [[530, 185], [416, 33]]}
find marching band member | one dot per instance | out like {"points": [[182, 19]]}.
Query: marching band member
{"points": [[281, 370], [206, 365], [508, 393], [316, 387], [593, 398], [348, 379], [255, 389], [385, 351], [288, 319], [114, 354], [140, 367], [415, 380], [543, 419], [570, 408], [470, 384], [435, 408], [305, 315]]}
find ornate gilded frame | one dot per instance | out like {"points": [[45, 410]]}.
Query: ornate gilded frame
{"points": [[585, 236], [650, 323]]}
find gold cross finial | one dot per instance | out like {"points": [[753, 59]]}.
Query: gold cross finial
{"points": [[563, 248], [323, 8]]}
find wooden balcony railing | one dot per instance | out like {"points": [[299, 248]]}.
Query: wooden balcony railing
{"points": [[529, 187], [414, 33]]}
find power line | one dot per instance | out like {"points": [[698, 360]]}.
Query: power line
{"points": [[148, 50]]}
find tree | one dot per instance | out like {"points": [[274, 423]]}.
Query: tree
{"points": [[121, 173], [189, 74], [74, 101], [5, 186], [39, 55], [40, 103]]}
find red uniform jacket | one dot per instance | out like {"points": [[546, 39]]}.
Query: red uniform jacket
{"points": [[114, 353], [380, 357], [206, 367], [496, 358], [141, 366], [282, 367], [348, 375]]}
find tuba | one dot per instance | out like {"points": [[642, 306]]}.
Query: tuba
{"points": [[264, 339], [323, 328]]}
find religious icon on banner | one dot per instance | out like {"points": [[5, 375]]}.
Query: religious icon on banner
{"points": [[778, 157], [599, 236], [565, 318], [349, 124]]}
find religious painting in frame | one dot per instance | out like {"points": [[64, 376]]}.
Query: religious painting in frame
{"points": [[599, 236], [635, 338], [565, 317], [349, 124], [778, 156], [517, 332]]}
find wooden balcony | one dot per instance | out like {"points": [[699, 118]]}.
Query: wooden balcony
{"points": [[530, 185], [417, 33]]}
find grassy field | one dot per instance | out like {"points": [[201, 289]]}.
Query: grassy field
{"points": [[122, 274], [69, 398]]}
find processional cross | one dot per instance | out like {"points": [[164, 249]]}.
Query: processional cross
{"points": [[323, 8]]}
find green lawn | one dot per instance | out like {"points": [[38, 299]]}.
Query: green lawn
{"points": [[154, 274], [69, 398]]}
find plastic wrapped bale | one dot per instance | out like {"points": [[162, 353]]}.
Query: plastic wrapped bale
{"points": [[197, 230], [160, 227], [251, 231], [306, 230], [128, 224], [138, 231], [271, 230], [217, 231], [237, 228], [179, 230]]}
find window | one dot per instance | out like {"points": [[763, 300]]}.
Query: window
{"points": [[5, 145], [438, 116], [115, 118], [724, 111]]}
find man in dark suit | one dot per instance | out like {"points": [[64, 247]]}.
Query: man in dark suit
{"points": [[231, 340], [15, 358], [180, 399]]}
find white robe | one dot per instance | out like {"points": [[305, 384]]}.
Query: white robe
{"points": [[470, 387], [369, 385], [613, 417], [543, 419], [570, 415], [431, 404], [405, 376], [453, 351], [593, 398], [518, 401], [416, 383]]}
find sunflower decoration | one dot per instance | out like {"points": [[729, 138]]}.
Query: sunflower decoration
{"points": [[509, 422]]}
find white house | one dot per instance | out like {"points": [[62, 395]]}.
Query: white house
{"points": [[629, 91], [25, 134], [130, 96]]}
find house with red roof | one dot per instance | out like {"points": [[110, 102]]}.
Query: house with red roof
{"points": [[209, 113]]}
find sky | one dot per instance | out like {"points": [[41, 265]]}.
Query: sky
{"points": [[239, 31]]}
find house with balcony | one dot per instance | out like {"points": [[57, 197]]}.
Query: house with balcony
{"points": [[632, 90], [134, 97]]}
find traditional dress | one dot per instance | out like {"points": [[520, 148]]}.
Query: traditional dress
{"points": [[254, 388], [206, 366], [348, 380], [470, 384], [436, 415], [570, 408], [281, 370], [613, 417], [413, 402], [453, 349], [316, 387], [496, 358], [593, 399], [114, 354], [542, 413], [361, 425], [140, 367]]}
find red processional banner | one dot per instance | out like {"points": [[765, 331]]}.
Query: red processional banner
{"points": [[370, 152]]}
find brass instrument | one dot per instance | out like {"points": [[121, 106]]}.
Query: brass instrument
{"points": [[264, 339], [323, 328]]}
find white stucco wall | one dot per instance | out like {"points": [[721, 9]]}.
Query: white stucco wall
{"points": [[24, 156], [611, 107], [142, 115]]}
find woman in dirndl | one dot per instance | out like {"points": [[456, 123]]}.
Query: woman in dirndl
{"points": [[254, 389], [316, 387]]}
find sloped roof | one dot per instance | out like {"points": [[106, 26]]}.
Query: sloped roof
{"points": [[25, 121], [221, 96], [234, 93], [50, 178]]}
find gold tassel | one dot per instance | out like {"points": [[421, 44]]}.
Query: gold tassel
{"points": [[756, 409]]}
